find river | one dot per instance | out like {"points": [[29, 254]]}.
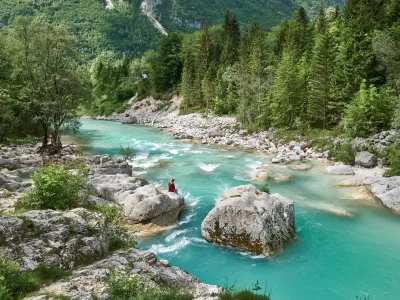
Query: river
{"points": [[333, 257]]}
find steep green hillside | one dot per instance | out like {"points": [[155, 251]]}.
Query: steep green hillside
{"points": [[188, 15], [124, 29]]}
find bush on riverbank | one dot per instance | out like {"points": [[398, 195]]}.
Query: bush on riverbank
{"points": [[392, 157], [15, 284], [56, 187], [345, 154]]}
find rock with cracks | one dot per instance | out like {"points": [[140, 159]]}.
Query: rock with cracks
{"points": [[250, 220], [147, 205], [57, 239], [90, 282], [142, 202], [386, 189]]}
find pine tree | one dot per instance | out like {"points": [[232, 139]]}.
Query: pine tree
{"points": [[320, 73]]}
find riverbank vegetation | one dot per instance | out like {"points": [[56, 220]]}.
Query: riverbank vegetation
{"points": [[340, 69], [42, 81]]}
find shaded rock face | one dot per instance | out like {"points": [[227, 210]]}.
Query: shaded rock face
{"points": [[340, 169], [58, 239], [246, 219], [366, 159], [141, 201], [92, 280], [387, 190]]}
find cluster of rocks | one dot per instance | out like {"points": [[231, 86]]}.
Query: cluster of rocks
{"points": [[250, 220], [378, 141], [71, 239], [211, 129], [142, 203], [90, 281], [20, 161]]}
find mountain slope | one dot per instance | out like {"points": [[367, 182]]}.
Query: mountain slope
{"points": [[189, 15], [122, 28], [134, 26]]}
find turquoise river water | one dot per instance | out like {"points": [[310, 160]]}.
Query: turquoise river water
{"points": [[333, 257]]}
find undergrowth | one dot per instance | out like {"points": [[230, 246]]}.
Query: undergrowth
{"points": [[15, 284]]}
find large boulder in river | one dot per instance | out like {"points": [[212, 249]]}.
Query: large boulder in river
{"points": [[250, 220], [366, 159], [386, 189], [58, 239], [148, 205]]}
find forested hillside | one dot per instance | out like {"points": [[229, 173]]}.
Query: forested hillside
{"points": [[123, 30], [340, 69], [188, 16]]}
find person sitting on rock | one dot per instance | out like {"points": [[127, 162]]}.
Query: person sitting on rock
{"points": [[171, 186]]}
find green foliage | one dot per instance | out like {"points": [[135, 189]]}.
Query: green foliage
{"points": [[56, 187], [122, 237], [123, 29], [127, 153], [46, 78], [243, 295], [368, 113], [392, 157], [265, 189], [345, 154], [124, 286], [14, 284]]}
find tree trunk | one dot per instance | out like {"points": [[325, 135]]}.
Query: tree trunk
{"points": [[56, 139], [44, 137]]}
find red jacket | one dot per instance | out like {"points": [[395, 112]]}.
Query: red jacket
{"points": [[171, 187]]}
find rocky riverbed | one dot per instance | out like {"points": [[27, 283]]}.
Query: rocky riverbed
{"points": [[225, 131], [81, 240], [211, 129]]}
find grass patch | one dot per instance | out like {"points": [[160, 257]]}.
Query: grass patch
{"points": [[15, 284], [317, 138], [20, 141], [126, 286], [243, 295]]}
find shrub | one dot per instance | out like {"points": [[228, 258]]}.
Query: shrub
{"points": [[56, 187], [127, 153], [345, 154], [243, 295], [15, 284], [265, 189], [368, 113], [393, 159], [122, 238], [125, 286]]}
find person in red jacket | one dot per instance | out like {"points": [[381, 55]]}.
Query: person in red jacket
{"points": [[171, 186]]}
